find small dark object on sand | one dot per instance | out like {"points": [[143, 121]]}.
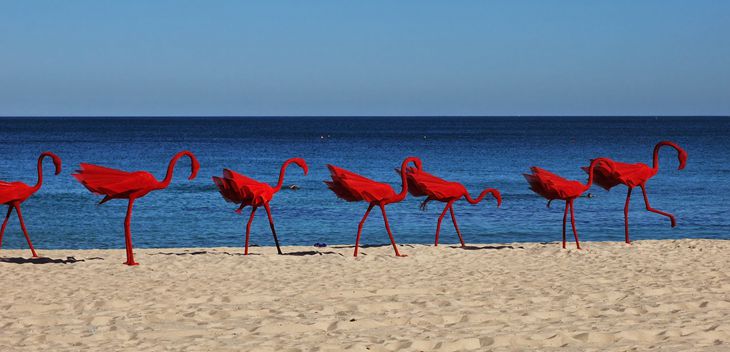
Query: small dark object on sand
{"points": [[320, 245]]}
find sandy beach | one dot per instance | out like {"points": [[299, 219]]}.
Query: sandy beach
{"points": [[667, 295]]}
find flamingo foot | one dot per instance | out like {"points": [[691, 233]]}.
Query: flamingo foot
{"points": [[401, 255], [131, 263]]}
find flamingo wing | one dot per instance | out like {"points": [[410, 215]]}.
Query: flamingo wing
{"points": [[8, 192], [110, 182], [353, 187], [421, 183], [552, 186], [237, 188], [608, 174]]}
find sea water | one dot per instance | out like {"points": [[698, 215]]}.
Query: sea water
{"points": [[479, 152]]}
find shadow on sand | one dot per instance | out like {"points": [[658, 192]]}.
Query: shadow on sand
{"points": [[305, 253], [300, 253], [370, 245], [45, 260], [475, 248], [201, 252]]}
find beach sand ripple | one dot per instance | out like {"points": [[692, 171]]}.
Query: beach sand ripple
{"points": [[671, 295]]}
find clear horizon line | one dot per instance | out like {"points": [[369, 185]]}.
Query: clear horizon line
{"points": [[346, 116]]}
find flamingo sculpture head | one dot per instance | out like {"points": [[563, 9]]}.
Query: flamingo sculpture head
{"points": [[301, 163], [56, 161], [681, 154], [194, 164], [194, 167]]}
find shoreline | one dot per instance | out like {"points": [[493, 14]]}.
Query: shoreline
{"points": [[297, 248], [667, 294]]}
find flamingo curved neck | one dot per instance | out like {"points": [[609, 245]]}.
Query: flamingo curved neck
{"points": [[404, 178], [282, 172], [404, 185], [171, 168], [478, 199], [657, 147], [40, 173], [590, 172], [494, 192]]}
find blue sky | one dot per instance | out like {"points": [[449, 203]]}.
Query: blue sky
{"points": [[364, 57]]}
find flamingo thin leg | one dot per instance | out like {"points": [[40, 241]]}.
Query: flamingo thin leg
{"points": [[572, 224], [359, 228], [565, 218], [128, 234], [5, 223], [271, 223], [25, 232], [453, 219], [248, 229], [387, 228], [438, 224], [626, 214], [649, 208]]}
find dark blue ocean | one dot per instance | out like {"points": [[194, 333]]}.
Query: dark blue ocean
{"points": [[479, 152]]}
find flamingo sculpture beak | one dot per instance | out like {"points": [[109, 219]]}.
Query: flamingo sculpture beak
{"points": [[194, 167], [304, 167], [57, 163], [682, 157], [416, 161], [56, 160], [301, 163], [498, 197]]}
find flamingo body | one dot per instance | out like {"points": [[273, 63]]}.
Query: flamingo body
{"points": [[13, 194], [610, 173], [118, 184], [356, 188], [353, 187], [552, 186], [421, 183], [239, 189]]}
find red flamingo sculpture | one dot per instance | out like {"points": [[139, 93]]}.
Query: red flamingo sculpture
{"points": [[236, 188], [355, 188], [13, 194], [610, 173], [421, 183], [118, 184], [552, 186]]}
